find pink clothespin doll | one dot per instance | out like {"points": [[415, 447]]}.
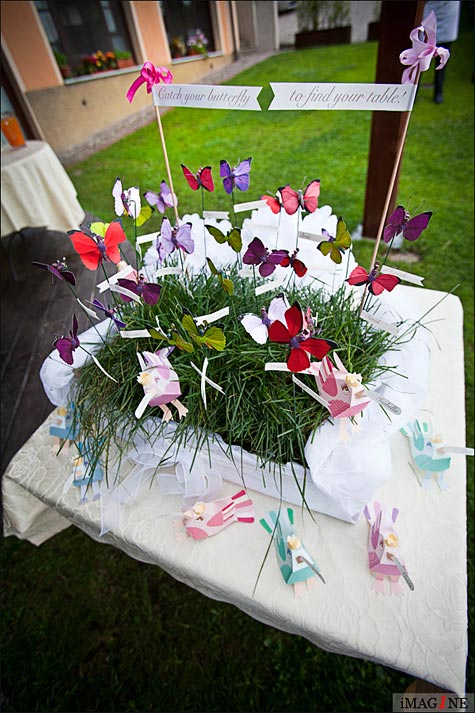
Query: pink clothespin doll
{"points": [[160, 384], [206, 519], [384, 553], [342, 391]]}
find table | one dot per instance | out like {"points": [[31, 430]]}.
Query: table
{"points": [[37, 191], [423, 633]]}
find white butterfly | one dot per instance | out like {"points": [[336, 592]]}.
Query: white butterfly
{"points": [[258, 327], [126, 200]]}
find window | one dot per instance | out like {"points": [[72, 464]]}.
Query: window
{"points": [[182, 19], [78, 29]]}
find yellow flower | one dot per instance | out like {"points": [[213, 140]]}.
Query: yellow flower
{"points": [[353, 380], [294, 542], [391, 540], [199, 508]]}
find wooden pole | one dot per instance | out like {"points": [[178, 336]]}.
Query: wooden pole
{"points": [[387, 128], [167, 164]]}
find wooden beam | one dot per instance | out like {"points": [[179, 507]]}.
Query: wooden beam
{"points": [[397, 21]]}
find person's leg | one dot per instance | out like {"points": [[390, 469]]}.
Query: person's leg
{"points": [[439, 77]]}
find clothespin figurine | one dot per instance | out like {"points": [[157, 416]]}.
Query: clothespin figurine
{"points": [[62, 427], [205, 519], [160, 384], [297, 566], [384, 553], [427, 452], [83, 476], [343, 392]]}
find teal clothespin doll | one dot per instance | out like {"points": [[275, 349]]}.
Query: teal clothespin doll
{"points": [[296, 565], [427, 452]]}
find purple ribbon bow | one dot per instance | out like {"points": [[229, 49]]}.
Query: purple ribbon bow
{"points": [[149, 75], [419, 56]]}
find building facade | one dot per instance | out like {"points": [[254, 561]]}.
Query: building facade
{"points": [[62, 60]]}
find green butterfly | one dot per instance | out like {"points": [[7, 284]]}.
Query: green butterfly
{"points": [[144, 215], [233, 238], [336, 246], [212, 337], [174, 339], [226, 283]]}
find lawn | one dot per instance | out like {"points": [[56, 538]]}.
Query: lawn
{"points": [[85, 628]]}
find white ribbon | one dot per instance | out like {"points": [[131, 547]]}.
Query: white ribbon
{"points": [[89, 311], [218, 214], [213, 316], [103, 286], [379, 323], [124, 291], [205, 380], [331, 96], [207, 96], [250, 205], [405, 276], [268, 286], [134, 333]]}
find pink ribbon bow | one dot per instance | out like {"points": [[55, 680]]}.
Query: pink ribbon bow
{"points": [[149, 75], [419, 56]]}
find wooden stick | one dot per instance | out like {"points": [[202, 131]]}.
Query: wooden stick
{"points": [[167, 164], [397, 161]]}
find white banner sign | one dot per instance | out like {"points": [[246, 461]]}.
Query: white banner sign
{"points": [[406, 276], [206, 96], [373, 97]]}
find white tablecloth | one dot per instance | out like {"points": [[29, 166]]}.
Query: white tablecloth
{"points": [[423, 633], [37, 191]]}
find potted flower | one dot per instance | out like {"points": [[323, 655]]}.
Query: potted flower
{"points": [[322, 22], [178, 48], [197, 43], [124, 59], [63, 65]]}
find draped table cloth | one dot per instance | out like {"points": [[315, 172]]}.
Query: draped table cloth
{"points": [[37, 191], [423, 633]]}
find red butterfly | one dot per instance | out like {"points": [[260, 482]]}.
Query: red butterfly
{"points": [[202, 178], [93, 250], [306, 200], [298, 339], [298, 266], [376, 283], [273, 202]]}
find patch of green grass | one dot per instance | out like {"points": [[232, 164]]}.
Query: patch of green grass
{"points": [[85, 627]]}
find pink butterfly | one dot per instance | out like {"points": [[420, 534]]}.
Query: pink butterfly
{"points": [[376, 283], [306, 200]]}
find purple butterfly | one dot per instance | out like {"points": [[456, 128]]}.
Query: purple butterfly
{"points": [[171, 239], [148, 291], [66, 345], [58, 269], [109, 312], [401, 222], [238, 176], [162, 200], [258, 254]]}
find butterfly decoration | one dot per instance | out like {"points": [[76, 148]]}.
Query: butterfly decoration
{"points": [[225, 282], [258, 254], [58, 269], [67, 345], [171, 239], [336, 246], [94, 249], [258, 327], [376, 283], [174, 339], [203, 178], [235, 177], [148, 291], [401, 222], [232, 237], [161, 200], [300, 340], [306, 200], [274, 202], [297, 265], [211, 336], [127, 202], [109, 312]]}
